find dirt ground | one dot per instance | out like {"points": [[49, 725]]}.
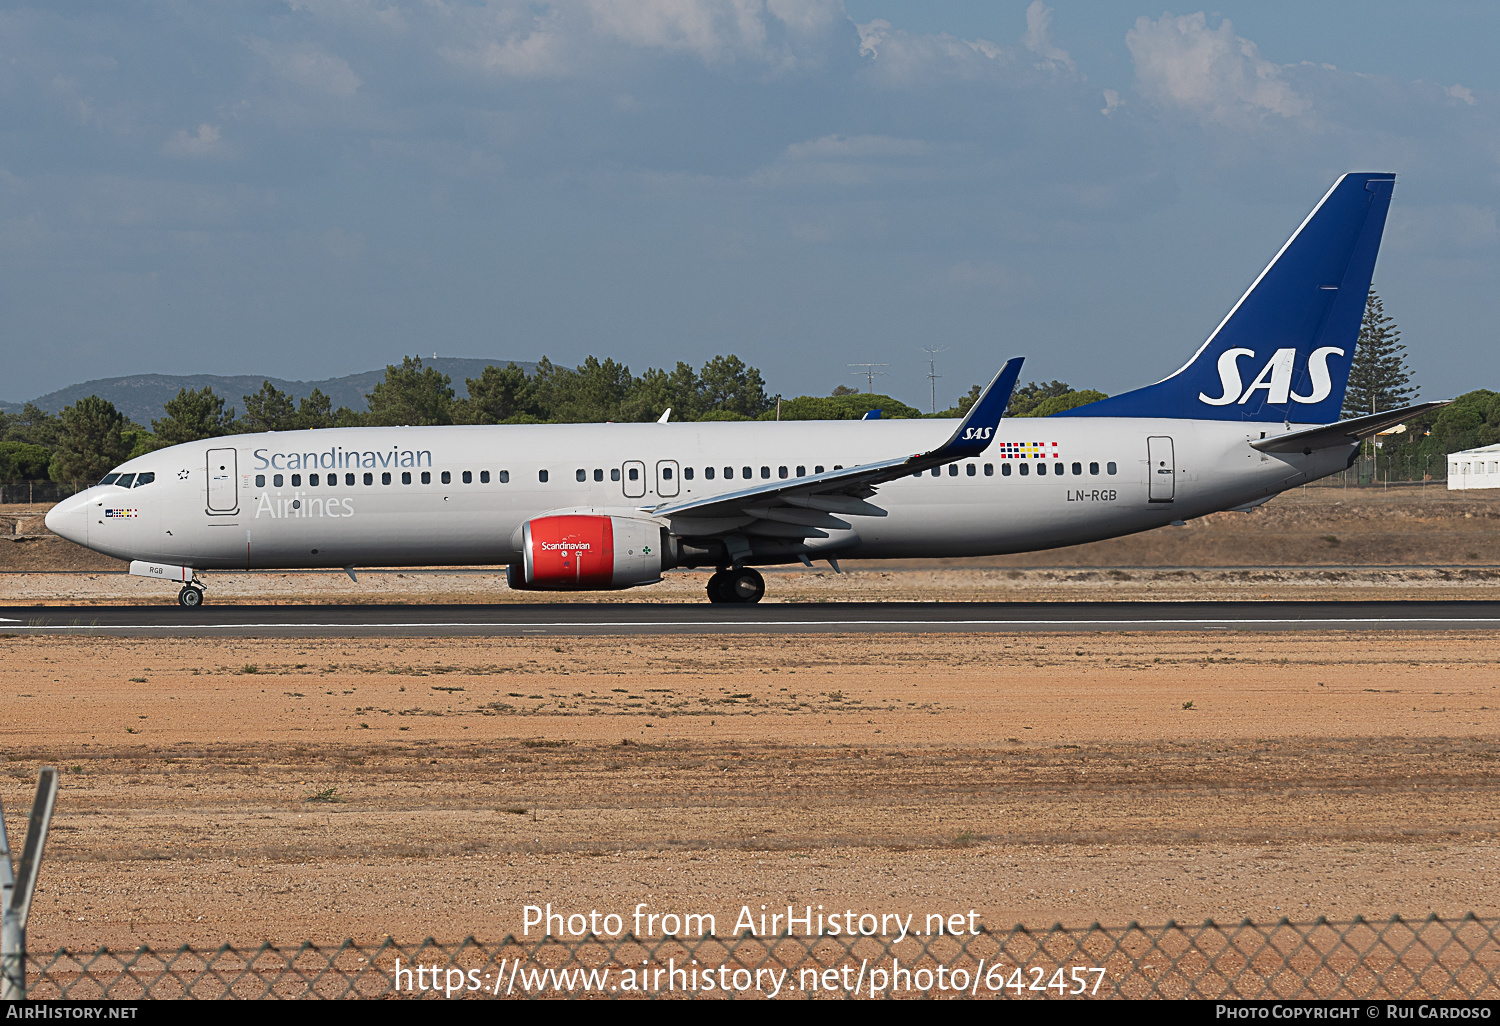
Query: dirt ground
{"points": [[323, 788], [1321, 544]]}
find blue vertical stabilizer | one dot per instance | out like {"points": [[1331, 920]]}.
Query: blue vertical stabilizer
{"points": [[1284, 351]]}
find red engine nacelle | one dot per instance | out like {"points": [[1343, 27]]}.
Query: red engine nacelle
{"points": [[577, 552]]}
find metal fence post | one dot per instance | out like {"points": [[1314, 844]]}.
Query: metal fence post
{"points": [[17, 886]]}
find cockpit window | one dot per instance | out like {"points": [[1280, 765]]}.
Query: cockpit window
{"points": [[125, 480], [108, 479], [144, 479]]}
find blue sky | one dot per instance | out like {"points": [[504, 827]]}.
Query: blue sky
{"points": [[310, 189]]}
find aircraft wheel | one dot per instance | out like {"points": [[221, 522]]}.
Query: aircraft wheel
{"points": [[743, 585], [715, 587], [190, 597]]}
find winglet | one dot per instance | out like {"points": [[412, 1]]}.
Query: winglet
{"points": [[976, 431]]}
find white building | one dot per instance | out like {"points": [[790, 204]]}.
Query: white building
{"points": [[1474, 468]]}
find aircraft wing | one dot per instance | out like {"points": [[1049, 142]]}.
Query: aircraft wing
{"points": [[804, 507], [1344, 432]]}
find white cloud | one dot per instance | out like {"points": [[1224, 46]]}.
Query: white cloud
{"points": [[570, 37], [1459, 92], [308, 67], [1038, 38], [1212, 73], [204, 141], [1112, 102]]}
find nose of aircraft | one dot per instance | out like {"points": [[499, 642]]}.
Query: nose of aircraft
{"points": [[70, 519]]}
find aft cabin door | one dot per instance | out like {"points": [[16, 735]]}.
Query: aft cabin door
{"points": [[223, 476], [666, 478], [1162, 468]]}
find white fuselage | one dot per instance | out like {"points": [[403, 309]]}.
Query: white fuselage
{"points": [[285, 500]]}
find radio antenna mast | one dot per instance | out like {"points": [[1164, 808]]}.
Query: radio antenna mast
{"points": [[932, 374], [871, 372]]}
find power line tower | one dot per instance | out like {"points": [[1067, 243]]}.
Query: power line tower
{"points": [[932, 374], [871, 373]]}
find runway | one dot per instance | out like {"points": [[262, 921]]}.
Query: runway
{"points": [[585, 619]]}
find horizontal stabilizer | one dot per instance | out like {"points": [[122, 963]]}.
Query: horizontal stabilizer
{"points": [[1345, 432]]}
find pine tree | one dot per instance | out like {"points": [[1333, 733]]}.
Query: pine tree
{"points": [[1378, 379]]}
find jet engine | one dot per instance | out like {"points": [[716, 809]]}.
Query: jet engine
{"points": [[589, 552]]}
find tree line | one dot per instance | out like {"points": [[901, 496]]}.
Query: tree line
{"points": [[90, 437]]}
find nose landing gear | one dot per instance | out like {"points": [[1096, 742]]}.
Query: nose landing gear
{"points": [[738, 585], [190, 597]]}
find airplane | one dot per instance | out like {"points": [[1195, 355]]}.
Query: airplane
{"points": [[583, 507]]}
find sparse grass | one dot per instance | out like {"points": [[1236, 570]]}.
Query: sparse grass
{"points": [[1187, 706], [250, 668], [139, 680], [330, 796]]}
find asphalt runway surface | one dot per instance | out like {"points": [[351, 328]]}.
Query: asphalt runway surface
{"points": [[584, 618]]}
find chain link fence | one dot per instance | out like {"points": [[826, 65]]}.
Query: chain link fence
{"points": [[1361, 959]]}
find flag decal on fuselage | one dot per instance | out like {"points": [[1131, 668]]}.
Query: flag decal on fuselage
{"points": [[1027, 450]]}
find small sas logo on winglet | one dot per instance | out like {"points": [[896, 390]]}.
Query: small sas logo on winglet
{"points": [[117, 513]]}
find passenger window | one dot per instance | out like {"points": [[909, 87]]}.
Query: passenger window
{"points": [[541, 475], [468, 477], [937, 471], [635, 474], [838, 466], [614, 473], [446, 478], [666, 473], [505, 477], [260, 480], [1094, 469], [406, 477], [312, 480], [818, 469], [598, 474], [971, 469], [581, 475], [1077, 469], [708, 472], [1041, 468], [385, 478], [276, 479], [349, 480], [369, 478], [484, 476], [746, 473], [427, 477], [765, 473], [953, 470], [1005, 470], [296, 480], [145, 479], [687, 473], [1025, 469], [989, 470], [801, 471], [1109, 468], [108, 479], [780, 472]]}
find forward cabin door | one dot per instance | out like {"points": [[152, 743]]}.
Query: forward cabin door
{"points": [[223, 479], [634, 479], [1162, 468]]}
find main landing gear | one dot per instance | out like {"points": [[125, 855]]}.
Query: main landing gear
{"points": [[741, 584], [190, 597]]}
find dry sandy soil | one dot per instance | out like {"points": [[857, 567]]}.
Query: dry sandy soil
{"points": [[323, 788], [1325, 543]]}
